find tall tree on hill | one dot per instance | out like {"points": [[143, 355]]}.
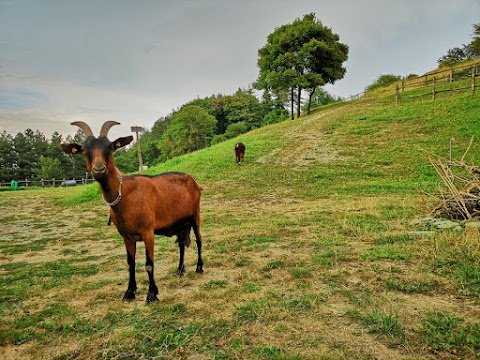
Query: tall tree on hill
{"points": [[301, 56]]}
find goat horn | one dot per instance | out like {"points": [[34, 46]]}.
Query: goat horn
{"points": [[84, 127], [107, 126]]}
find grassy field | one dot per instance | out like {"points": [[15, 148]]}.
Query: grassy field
{"points": [[308, 249]]}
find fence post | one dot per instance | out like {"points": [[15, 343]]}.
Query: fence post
{"points": [[473, 80], [433, 89], [451, 76], [26, 182], [397, 94]]}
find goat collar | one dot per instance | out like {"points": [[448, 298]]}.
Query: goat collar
{"points": [[119, 196]]}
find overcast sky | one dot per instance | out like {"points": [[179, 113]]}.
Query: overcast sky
{"points": [[136, 61]]}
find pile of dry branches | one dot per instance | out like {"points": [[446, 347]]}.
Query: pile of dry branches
{"points": [[460, 197]]}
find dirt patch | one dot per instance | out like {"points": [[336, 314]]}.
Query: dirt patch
{"points": [[306, 145]]}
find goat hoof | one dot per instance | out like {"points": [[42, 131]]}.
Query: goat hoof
{"points": [[129, 295], [199, 270], [151, 298], [181, 271]]}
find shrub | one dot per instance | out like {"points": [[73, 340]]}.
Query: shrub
{"points": [[384, 80]]}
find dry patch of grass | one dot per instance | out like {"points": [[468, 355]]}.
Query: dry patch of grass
{"points": [[288, 279]]}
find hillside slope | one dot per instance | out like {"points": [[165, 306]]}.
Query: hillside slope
{"points": [[367, 146], [308, 250]]}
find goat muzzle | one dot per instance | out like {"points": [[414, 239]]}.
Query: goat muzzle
{"points": [[99, 171]]}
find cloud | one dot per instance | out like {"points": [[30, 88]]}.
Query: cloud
{"points": [[135, 62], [22, 99]]}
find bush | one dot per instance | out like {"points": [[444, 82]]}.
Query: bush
{"points": [[274, 117], [236, 129], [384, 80]]}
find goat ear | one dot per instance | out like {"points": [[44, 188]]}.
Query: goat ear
{"points": [[121, 142], [71, 148]]}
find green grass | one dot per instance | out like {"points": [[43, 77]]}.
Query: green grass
{"points": [[305, 245], [387, 252], [411, 285], [381, 323], [449, 333], [459, 263]]}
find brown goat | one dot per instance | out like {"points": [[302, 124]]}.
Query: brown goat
{"points": [[239, 150], [142, 206]]}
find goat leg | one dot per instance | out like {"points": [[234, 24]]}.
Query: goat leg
{"points": [[199, 269], [149, 267], [132, 284], [181, 265], [198, 237]]}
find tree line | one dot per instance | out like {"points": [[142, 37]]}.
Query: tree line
{"points": [[297, 58], [30, 155]]}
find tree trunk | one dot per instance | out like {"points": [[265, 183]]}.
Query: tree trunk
{"points": [[310, 96], [292, 112], [299, 101]]}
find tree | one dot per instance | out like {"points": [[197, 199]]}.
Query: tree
{"points": [[213, 105], [29, 146], [273, 108], [474, 46], [50, 168], [277, 66], [465, 52], [242, 107], [301, 56], [190, 129], [322, 97], [126, 159], [453, 56], [76, 167], [236, 129], [7, 158], [150, 148]]}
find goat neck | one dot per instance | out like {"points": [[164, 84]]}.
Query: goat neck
{"points": [[111, 187]]}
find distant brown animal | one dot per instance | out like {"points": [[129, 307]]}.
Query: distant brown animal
{"points": [[142, 206], [239, 150]]}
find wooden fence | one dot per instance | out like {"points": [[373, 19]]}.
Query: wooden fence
{"points": [[467, 72], [437, 81], [26, 183]]}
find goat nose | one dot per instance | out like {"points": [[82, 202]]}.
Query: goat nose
{"points": [[98, 168]]}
